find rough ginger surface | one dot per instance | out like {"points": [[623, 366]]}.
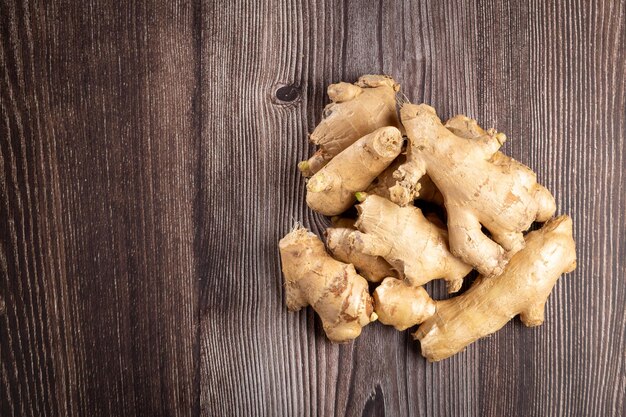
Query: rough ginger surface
{"points": [[373, 268], [356, 110], [480, 187], [331, 190], [413, 245], [523, 288], [335, 291]]}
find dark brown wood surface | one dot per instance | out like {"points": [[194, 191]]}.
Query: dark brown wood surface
{"points": [[148, 158]]}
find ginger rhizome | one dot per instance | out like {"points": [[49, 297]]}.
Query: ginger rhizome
{"points": [[414, 246], [331, 190], [335, 291], [402, 305], [356, 110], [468, 128], [373, 268], [480, 187], [381, 184], [523, 288], [484, 202]]}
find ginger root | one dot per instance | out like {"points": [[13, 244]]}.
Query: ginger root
{"points": [[480, 186], [468, 128], [335, 291], [415, 247], [402, 305], [381, 185], [356, 110], [523, 288], [372, 268], [331, 190], [456, 165]]}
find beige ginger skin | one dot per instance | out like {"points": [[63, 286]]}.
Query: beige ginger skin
{"points": [[523, 288], [372, 268], [468, 128], [381, 185], [490, 201], [335, 291], [356, 110], [402, 305], [480, 187], [414, 246], [331, 190]]}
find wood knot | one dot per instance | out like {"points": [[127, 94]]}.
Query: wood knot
{"points": [[287, 93]]}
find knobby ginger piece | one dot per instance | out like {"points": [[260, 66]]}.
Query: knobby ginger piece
{"points": [[468, 128], [402, 305], [372, 268], [356, 110], [331, 190], [381, 185], [415, 248], [480, 186], [523, 288], [335, 291]]}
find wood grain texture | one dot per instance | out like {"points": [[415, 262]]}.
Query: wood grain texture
{"points": [[98, 189], [148, 169]]}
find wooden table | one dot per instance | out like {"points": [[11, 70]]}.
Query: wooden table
{"points": [[148, 158]]}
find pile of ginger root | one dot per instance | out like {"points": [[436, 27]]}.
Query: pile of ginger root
{"points": [[382, 154]]}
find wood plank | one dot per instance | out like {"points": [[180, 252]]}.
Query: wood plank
{"points": [[98, 151], [148, 171], [550, 76]]}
